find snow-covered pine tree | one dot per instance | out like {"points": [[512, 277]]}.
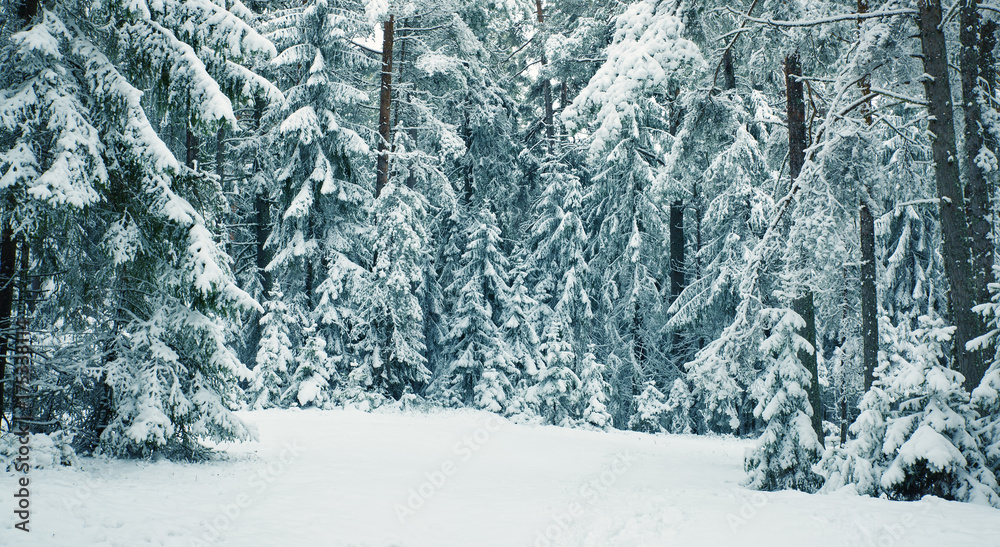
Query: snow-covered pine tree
{"points": [[651, 411], [162, 373], [788, 447], [323, 184], [678, 405], [314, 380], [594, 392], [734, 221], [626, 109], [557, 243], [475, 342], [917, 433], [555, 395], [518, 325], [395, 339], [275, 354], [931, 444], [986, 397]]}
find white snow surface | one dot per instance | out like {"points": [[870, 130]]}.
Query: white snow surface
{"points": [[340, 478]]}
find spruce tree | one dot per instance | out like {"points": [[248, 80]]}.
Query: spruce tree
{"points": [[274, 358], [784, 454]]}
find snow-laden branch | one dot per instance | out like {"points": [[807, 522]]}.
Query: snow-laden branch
{"points": [[824, 20], [728, 345], [990, 7], [894, 95]]}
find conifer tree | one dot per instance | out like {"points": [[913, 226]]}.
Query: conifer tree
{"points": [[787, 449], [595, 392], [555, 394], [650, 410], [475, 342], [275, 355]]}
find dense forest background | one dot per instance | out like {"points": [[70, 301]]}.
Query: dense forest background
{"points": [[768, 218]]}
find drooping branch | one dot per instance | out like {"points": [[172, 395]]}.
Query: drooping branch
{"points": [[823, 20]]}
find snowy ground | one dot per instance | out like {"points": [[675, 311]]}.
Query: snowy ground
{"points": [[463, 479]]}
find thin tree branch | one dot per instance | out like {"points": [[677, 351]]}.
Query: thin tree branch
{"points": [[824, 20]]}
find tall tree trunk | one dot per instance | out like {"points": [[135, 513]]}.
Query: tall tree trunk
{"points": [[803, 304], [384, 108], [977, 199], [796, 111], [8, 258], [988, 78], [869, 290], [955, 245], [549, 120], [869, 294], [262, 210]]}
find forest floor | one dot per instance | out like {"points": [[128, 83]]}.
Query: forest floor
{"points": [[463, 479]]}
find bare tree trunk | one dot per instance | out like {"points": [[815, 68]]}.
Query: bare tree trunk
{"points": [[955, 245], [549, 120], [869, 294], [977, 202], [869, 290], [262, 211], [8, 258], [384, 109], [803, 304]]}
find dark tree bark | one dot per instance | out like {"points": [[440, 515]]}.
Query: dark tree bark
{"points": [[262, 210], [806, 308], [869, 295], [796, 111], [220, 154], [955, 245], [8, 258], [384, 108], [728, 72], [988, 75], [676, 248], [191, 145], [869, 290], [548, 121], [977, 201], [803, 304], [26, 10]]}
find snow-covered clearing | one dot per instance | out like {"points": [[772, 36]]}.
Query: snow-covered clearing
{"points": [[464, 479]]}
